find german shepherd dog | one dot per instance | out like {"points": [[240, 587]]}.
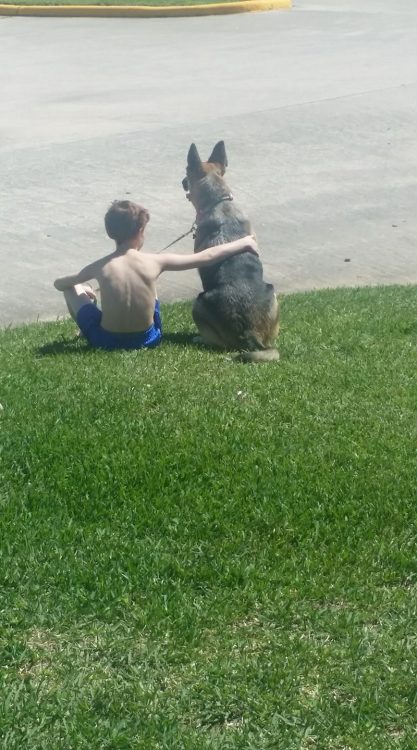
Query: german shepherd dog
{"points": [[237, 310]]}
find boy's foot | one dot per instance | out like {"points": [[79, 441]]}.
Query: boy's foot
{"points": [[88, 289]]}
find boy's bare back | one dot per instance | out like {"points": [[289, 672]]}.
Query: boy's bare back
{"points": [[127, 289]]}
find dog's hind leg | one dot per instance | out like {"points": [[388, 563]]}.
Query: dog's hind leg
{"points": [[209, 328], [273, 320], [264, 334]]}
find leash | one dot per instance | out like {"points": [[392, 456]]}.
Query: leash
{"points": [[193, 228], [227, 197]]}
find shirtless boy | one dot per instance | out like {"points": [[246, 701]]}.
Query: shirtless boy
{"points": [[130, 318]]}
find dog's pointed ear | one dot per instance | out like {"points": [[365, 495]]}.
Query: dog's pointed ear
{"points": [[194, 163], [218, 156]]}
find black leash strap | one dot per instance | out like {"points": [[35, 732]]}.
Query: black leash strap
{"points": [[193, 228], [227, 197]]}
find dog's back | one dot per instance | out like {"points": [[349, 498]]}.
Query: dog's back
{"points": [[225, 225], [237, 309]]}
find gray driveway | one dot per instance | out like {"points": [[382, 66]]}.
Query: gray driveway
{"points": [[318, 108]]}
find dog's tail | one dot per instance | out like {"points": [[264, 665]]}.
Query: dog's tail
{"points": [[253, 351]]}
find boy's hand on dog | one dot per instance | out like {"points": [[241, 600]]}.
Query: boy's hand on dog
{"points": [[251, 244]]}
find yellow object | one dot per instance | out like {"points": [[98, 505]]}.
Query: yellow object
{"points": [[144, 11]]}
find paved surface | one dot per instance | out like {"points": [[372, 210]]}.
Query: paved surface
{"points": [[317, 106]]}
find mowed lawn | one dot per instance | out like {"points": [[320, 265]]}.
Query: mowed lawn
{"points": [[199, 554], [156, 3]]}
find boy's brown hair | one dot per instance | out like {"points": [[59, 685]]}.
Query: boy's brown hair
{"points": [[124, 219]]}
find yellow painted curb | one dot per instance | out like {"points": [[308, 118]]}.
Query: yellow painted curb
{"points": [[144, 11]]}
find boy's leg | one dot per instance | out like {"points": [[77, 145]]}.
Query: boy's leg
{"points": [[157, 316], [77, 297]]}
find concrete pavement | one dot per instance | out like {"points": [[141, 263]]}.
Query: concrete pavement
{"points": [[317, 107]]}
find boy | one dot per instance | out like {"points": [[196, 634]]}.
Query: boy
{"points": [[130, 317]]}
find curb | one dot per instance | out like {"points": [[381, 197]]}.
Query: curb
{"points": [[144, 11]]}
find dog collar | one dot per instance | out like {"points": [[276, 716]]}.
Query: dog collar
{"points": [[226, 197], [222, 199]]}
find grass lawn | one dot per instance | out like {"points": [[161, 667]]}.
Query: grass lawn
{"points": [[197, 554], [111, 2]]}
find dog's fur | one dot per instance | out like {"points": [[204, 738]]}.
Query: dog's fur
{"points": [[237, 310]]}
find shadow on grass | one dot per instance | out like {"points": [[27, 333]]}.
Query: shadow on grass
{"points": [[62, 346], [80, 345], [182, 339], [191, 340]]}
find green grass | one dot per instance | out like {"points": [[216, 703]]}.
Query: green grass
{"points": [[111, 2], [198, 554]]}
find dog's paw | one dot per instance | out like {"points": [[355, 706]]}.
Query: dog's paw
{"points": [[199, 341]]}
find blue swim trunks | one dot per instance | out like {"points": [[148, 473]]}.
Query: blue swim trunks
{"points": [[89, 322]]}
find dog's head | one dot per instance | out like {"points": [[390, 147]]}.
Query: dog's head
{"points": [[198, 170]]}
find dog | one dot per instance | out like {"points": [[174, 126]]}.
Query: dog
{"points": [[237, 310]]}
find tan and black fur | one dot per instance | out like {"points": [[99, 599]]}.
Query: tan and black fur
{"points": [[237, 310]]}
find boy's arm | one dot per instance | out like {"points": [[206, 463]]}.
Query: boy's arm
{"points": [[66, 282], [171, 262]]}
